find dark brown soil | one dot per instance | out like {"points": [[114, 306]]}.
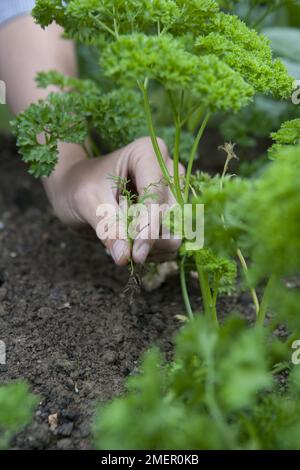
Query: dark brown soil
{"points": [[70, 330]]}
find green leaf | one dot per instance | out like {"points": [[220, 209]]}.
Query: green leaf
{"points": [[271, 210], [287, 135], [16, 408], [243, 371], [59, 118]]}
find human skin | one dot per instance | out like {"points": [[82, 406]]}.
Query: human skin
{"points": [[78, 186]]}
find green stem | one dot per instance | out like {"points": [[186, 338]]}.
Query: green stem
{"points": [[214, 315], [246, 271], [193, 156], [181, 105], [208, 303], [158, 28], [184, 289], [266, 301], [268, 11], [86, 150], [104, 26], [191, 112], [131, 266], [153, 137], [280, 367], [96, 151], [176, 115], [173, 105], [249, 14], [193, 121], [116, 27], [177, 182]]}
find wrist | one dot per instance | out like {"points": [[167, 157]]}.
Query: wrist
{"points": [[56, 185]]}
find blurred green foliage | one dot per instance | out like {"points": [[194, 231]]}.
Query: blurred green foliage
{"points": [[16, 410], [222, 389], [5, 117], [218, 393]]}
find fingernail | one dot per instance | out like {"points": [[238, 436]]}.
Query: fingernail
{"points": [[143, 252], [119, 250]]}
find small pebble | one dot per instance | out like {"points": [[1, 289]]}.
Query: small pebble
{"points": [[2, 225], [53, 421], [66, 305]]}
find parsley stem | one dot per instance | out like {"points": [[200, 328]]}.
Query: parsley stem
{"points": [[270, 9], [249, 14], [96, 151], [154, 141], [177, 182], [190, 113], [208, 301], [193, 156], [104, 26], [86, 150], [173, 105], [184, 289], [176, 155], [252, 290]]}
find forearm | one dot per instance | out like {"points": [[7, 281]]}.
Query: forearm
{"points": [[25, 50]]}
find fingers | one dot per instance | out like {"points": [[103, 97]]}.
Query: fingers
{"points": [[152, 190], [144, 167], [111, 230], [94, 201], [106, 220], [156, 198], [147, 231]]}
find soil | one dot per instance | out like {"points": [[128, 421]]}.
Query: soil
{"points": [[69, 328]]}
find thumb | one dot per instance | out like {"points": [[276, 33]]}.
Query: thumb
{"points": [[107, 221], [152, 191], [111, 230]]}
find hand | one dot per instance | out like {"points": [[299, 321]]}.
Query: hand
{"points": [[88, 183]]}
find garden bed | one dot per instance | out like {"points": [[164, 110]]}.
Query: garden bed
{"points": [[70, 329]]}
